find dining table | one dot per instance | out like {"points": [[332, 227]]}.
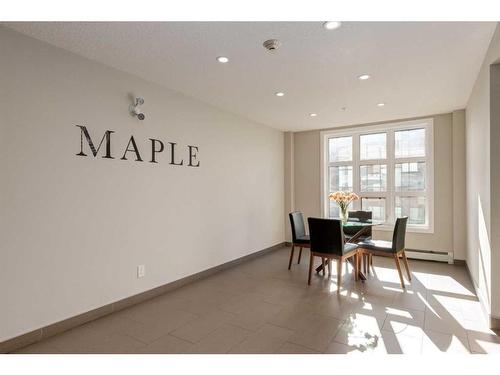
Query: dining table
{"points": [[361, 228]]}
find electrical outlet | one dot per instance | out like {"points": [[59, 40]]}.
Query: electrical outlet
{"points": [[141, 271]]}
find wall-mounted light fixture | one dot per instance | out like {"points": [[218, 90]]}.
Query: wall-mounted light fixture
{"points": [[135, 109]]}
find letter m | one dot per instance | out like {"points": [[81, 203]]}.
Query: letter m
{"points": [[106, 136]]}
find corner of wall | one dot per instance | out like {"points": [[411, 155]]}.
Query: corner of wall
{"points": [[459, 185], [289, 181]]}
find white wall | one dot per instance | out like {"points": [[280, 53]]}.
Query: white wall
{"points": [[459, 185], [73, 229], [480, 164], [308, 192]]}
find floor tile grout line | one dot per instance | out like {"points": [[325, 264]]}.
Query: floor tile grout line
{"points": [[302, 346]]}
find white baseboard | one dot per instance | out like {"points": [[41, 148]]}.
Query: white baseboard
{"points": [[430, 255]]}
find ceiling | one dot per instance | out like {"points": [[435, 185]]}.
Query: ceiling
{"points": [[416, 68]]}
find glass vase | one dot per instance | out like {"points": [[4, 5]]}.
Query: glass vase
{"points": [[344, 214]]}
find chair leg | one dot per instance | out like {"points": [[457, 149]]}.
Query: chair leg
{"points": [[398, 266], [311, 262], [300, 255], [291, 256], [329, 268], [357, 262], [339, 273], [323, 263], [368, 264], [405, 261], [371, 260], [365, 263]]}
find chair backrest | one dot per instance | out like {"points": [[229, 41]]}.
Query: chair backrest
{"points": [[361, 216], [297, 223], [326, 236], [398, 237]]}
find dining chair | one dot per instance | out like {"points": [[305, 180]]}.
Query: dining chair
{"points": [[349, 232], [394, 249], [327, 242], [299, 237]]}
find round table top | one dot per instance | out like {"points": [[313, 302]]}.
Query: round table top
{"points": [[353, 223]]}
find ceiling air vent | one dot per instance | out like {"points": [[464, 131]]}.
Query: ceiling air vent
{"points": [[272, 44]]}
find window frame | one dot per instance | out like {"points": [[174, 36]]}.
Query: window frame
{"points": [[390, 161]]}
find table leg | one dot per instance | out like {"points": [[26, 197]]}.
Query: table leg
{"points": [[352, 240]]}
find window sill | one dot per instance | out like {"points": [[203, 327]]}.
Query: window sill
{"points": [[409, 229]]}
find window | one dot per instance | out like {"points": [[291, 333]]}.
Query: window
{"points": [[389, 166]]}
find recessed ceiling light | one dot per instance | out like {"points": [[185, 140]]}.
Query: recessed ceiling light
{"points": [[280, 94], [313, 114], [364, 77], [331, 25], [222, 59], [380, 104]]}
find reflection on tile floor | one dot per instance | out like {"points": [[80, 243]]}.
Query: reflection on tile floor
{"points": [[261, 307]]}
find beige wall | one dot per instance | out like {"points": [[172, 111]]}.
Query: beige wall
{"points": [[74, 229], [307, 173], [307, 183], [482, 160], [459, 190], [495, 188]]}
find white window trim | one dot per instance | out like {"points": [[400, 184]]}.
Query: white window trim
{"points": [[390, 128]]}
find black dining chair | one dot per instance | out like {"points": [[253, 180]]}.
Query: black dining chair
{"points": [[327, 242], [299, 237], [394, 249]]}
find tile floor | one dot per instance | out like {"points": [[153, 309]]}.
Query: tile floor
{"points": [[261, 307]]}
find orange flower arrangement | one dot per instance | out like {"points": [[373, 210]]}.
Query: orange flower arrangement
{"points": [[343, 199]]}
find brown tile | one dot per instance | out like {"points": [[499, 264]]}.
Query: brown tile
{"points": [[87, 340], [144, 332], [294, 318], [196, 329], [154, 316], [360, 330], [167, 345], [445, 321], [404, 322], [290, 348], [256, 315], [387, 343], [318, 334], [375, 346], [338, 348], [241, 303], [414, 300], [338, 307], [437, 342], [397, 343], [39, 348], [268, 339], [221, 340], [483, 343]]}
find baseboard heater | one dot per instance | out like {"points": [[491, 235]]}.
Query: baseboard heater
{"points": [[437, 256]]}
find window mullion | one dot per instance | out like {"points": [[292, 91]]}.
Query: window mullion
{"points": [[391, 199], [356, 183]]}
